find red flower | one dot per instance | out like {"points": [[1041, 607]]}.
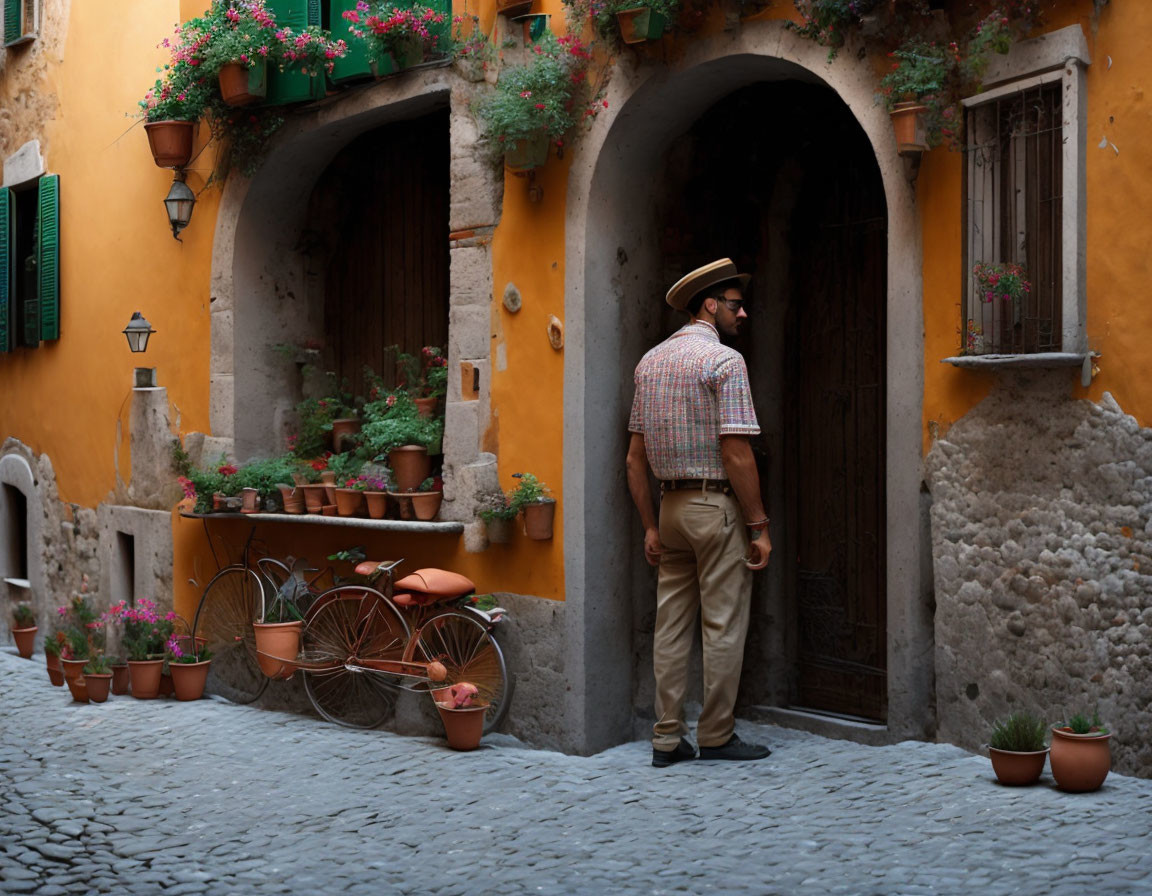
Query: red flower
{"points": [[227, 470]]}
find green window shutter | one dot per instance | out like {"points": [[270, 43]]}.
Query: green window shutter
{"points": [[7, 250], [295, 14], [13, 20], [48, 257]]}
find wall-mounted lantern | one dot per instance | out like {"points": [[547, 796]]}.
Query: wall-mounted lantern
{"points": [[137, 333], [179, 203]]}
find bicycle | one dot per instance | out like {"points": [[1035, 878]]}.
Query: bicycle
{"points": [[357, 645]]}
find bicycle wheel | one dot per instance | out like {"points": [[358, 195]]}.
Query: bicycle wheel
{"points": [[231, 602], [469, 652], [346, 626]]}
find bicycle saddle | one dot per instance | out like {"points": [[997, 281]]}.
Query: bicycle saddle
{"points": [[426, 586]]}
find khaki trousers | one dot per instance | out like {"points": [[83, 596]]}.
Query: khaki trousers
{"points": [[702, 572]]}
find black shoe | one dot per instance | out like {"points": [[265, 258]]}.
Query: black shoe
{"points": [[735, 749], [683, 752]]}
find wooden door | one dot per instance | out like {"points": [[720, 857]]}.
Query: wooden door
{"points": [[835, 433]]}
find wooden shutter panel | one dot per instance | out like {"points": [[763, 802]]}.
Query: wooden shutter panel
{"points": [[7, 253], [13, 20], [48, 257], [295, 14]]}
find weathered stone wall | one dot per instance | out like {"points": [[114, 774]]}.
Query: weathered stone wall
{"points": [[63, 546], [1042, 547], [25, 105]]}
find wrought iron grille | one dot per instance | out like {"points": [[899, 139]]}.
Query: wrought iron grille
{"points": [[1013, 178]]}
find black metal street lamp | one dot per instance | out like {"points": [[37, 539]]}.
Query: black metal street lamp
{"points": [[179, 203], [137, 332]]}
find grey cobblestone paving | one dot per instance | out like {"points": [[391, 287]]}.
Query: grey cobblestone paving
{"points": [[144, 797]]}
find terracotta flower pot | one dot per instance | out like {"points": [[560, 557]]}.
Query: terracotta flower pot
{"points": [[145, 678], [293, 499], [328, 510], [166, 687], [410, 466], [426, 504], [538, 519], [189, 679], [79, 689], [99, 685], [343, 428], [499, 530], [52, 665], [241, 85], [464, 727], [1017, 769], [251, 499], [528, 153], [905, 121], [328, 479], [314, 497], [277, 645], [25, 640], [377, 504], [120, 679], [426, 406], [73, 668], [1080, 762], [170, 142], [349, 502]]}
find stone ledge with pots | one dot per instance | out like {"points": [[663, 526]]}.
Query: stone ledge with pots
{"points": [[409, 526]]}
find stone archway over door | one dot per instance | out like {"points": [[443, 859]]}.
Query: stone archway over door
{"points": [[614, 282]]}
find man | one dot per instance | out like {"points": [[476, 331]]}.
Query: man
{"points": [[691, 419]]}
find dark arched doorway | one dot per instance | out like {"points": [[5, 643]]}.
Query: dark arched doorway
{"points": [[780, 177]]}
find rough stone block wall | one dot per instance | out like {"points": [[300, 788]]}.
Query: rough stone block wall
{"points": [[1042, 555]]}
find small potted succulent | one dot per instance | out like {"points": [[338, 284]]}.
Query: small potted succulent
{"points": [[1017, 749], [533, 498], [497, 511], [24, 629], [1080, 754]]}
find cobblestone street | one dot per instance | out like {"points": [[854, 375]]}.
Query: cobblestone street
{"points": [[145, 797]]}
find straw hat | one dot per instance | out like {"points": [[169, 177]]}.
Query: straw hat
{"points": [[684, 289]]}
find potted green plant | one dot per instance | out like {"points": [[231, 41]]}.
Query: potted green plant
{"points": [[533, 105], [915, 92], [828, 21], [263, 477], [98, 678], [1017, 749], [188, 663], [52, 661], [395, 427], [238, 38], [279, 628], [171, 108], [144, 633], [426, 498], [1080, 754], [424, 377], [471, 49], [497, 511], [533, 498], [362, 492], [24, 630], [396, 33]]}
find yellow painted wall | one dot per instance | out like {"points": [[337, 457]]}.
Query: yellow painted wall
{"points": [[1119, 201], [67, 398]]}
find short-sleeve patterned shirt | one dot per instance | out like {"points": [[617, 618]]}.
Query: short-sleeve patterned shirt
{"points": [[690, 390]]}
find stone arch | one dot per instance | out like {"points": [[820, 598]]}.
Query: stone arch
{"points": [[647, 107], [16, 473], [262, 291]]}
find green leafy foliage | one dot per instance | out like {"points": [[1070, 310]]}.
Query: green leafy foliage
{"points": [[394, 421], [828, 21], [1019, 733], [385, 27], [97, 665], [602, 14], [530, 490], [23, 616], [1080, 724], [538, 97]]}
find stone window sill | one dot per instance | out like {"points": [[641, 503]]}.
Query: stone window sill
{"points": [[402, 526], [18, 583], [1038, 361]]}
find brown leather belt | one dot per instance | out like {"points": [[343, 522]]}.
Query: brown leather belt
{"points": [[699, 485]]}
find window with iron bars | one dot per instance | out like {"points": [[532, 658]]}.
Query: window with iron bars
{"points": [[1014, 184]]}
